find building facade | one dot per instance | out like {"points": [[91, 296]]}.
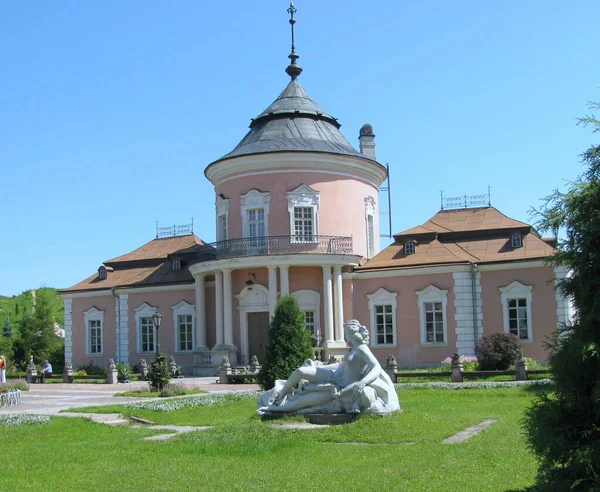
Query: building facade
{"points": [[297, 212]]}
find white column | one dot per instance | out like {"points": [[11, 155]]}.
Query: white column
{"points": [[68, 330], [272, 290], [219, 307], [123, 305], [328, 304], [200, 301], [339, 303], [285, 279], [227, 308]]}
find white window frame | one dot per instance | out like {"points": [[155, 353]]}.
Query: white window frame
{"points": [[517, 290], [183, 308], [413, 247], [254, 199], [93, 314], [383, 297], [370, 227], [176, 264], [310, 300], [432, 294], [102, 273], [516, 240], [222, 209], [144, 310], [304, 197]]}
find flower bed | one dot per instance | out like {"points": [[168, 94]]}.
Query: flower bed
{"points": [[19, 419], [475, 385], [199, 401]]}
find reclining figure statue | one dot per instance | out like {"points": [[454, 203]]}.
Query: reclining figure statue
{"points": [[356, 385]]}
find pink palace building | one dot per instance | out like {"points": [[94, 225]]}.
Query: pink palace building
{"points": [[297, 212]]}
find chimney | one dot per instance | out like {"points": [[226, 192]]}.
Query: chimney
{"points": [[366, 140]]}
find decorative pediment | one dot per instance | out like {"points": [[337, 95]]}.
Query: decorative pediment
{"points": [[370, 205], [515, 287], [431, 291], [184, 307], [255, 199], [93, 311], [255, 297], [381, 295], [303, 196], [145, 309], [222, 205]]}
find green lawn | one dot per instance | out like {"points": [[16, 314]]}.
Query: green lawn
{"points": [[402, 452]]}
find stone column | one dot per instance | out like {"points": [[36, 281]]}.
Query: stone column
{"points": [[284, 279], [227, 308], [272, 290], [200, 301], [328, 304], [219, 307], [339, 303]]}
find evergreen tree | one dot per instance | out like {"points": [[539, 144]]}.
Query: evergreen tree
{"points": [[7, 329], [289, 343], [563, 428], [17, 309]]}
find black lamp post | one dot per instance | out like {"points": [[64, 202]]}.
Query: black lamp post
{"points": [[157, 320]]}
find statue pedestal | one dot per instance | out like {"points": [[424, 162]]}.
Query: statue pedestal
{"points": [[338, 349]]}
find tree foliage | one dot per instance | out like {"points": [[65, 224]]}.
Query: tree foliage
{"points": [[289, 343], [563, 428], [158, 372]]}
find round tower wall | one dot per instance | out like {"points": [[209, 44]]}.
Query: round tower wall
{"points": [[342, 207]]}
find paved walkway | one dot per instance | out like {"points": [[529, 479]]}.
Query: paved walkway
{"points": [[51, 398]]}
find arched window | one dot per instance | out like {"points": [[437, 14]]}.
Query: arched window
{"points": [[409, 247]]}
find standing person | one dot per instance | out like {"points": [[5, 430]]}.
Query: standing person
{"points": [[46, 371], [2, 369]]}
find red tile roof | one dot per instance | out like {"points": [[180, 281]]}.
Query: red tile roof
{"points": [[147, 265], [481, 235]]}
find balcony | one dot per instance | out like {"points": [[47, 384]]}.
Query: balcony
{"points": [[278, 245]]}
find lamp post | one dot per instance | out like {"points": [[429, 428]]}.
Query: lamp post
{"points": [[157, 320]]}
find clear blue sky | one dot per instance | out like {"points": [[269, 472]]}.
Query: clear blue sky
{"points": [[111, 110]]}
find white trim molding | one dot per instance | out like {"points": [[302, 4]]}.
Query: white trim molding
{"points": [[183, 308], [306, 197], [68, 330], [310, 300], [222, 209], [382, 297], [517, 290], [122, 308], [464, 297], [93, 314], [432, 294], [370, 227], [564, 306], [250, 301], [254, 199], [144, 310]]}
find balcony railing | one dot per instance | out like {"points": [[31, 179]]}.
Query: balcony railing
{"points": [[280, 245]]}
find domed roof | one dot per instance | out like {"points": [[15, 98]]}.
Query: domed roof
{"points": [[293, 123]]}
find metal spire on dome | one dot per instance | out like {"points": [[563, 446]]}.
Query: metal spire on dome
{"points": [[293, 69]]}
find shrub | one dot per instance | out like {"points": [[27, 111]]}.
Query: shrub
{"points": [[289, 343], [173, 390], [123, 371], [469, 362], [92, 370], [19, 384], [158, 372], [497, 351]]}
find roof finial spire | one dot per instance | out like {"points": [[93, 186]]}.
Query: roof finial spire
{"points": [[293, 69]]}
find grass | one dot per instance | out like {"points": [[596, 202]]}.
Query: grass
{"points": [[158, 394], [400, 452]]}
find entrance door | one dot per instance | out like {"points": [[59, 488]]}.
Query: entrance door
{"points": [[258, 334]]}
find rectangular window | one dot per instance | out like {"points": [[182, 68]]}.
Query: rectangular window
{"points": [[95, 336], [303, 224], [256, 222], [384, 324], [434, 322], [146, 334], [517, 318], [222, 227], [185, 330], [309, 322]]}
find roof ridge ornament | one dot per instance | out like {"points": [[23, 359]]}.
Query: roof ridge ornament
{"points": [[293, 69]]}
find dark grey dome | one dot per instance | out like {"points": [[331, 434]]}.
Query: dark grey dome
{"points": [[293, 122]]}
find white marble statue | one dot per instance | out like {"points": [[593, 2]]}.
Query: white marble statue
{"points": [[356, 385]]}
